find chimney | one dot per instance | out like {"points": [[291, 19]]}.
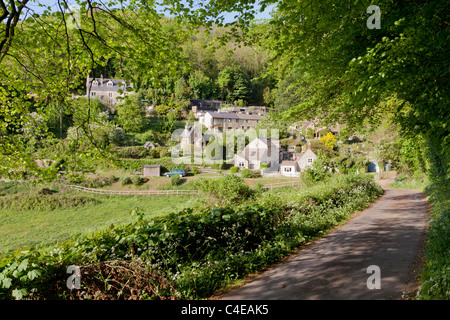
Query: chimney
{"points": [[309, 144], [101, 79]]}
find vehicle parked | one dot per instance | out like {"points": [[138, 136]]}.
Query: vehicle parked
{"points": [[180, 172]]}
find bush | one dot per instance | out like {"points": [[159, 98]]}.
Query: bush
{"points": [[175, 180], [126, 180], [138, 181], [215, 166], [99, 182], [246, 173], [226, 190], [194, 170], [256, 174], [234, 170], [319, 171], [435, 279]]}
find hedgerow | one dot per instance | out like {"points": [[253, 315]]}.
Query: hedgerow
{"points": [[435, 279], [194, 253]]}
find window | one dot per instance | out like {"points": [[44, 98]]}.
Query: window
{"points": [[241, 164], [287, 169], [246, 121], [93, 93], [95, 83], [110, 94], [309, 160], [110, 83]]}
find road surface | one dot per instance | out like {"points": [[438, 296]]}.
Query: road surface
{"points": [[388, 235]]}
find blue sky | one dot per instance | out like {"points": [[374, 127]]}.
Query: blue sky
{"points": [[33, 4]]}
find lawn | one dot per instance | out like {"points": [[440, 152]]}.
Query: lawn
{"points": [[29, 228]]}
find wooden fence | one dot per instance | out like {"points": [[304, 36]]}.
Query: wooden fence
{"points": [[167, 192], [135, 192]]}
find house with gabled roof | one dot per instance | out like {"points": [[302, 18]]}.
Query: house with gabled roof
{"points": [[108, 91], [259, 151]]}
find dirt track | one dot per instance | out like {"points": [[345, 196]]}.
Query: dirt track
{"points": [[389, 234]]}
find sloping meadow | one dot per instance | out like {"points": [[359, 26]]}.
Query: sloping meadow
{"points": [[189, 254]]}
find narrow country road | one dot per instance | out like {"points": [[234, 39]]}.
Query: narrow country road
{"points": [[389, 234]]}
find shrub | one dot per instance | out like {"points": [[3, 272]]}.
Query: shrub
{"points": [[234, 170], [99, 182], [246, 173], [138, 181], [174, 180], [226, 190], [215, 166], [319, 171], [435, 279], [194, 170], [256, 174], [126, 180]]}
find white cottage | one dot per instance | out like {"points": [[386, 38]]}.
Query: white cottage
{"points": [[257, 152], [290, 168]]}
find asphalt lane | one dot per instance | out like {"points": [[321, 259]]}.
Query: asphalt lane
{"points": [[377, 247]]}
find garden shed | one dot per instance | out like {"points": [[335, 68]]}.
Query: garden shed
{"points": [[149, 145], [152, 170]]}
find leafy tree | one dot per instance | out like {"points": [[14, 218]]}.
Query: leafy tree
{"points": [[201, 85], [130, 113]]}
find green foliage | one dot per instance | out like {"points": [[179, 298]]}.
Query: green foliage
{"points": [[319, 171], [138, 180], [246, 173], [175, 180], [194, 170], [225, 190], [199, 251], [43, 202], [234, 170], [99, 182], [130, 113], [435, 282], [256, 174], [126, 181]]}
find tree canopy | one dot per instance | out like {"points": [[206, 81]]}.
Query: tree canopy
{"points": [[310, 59]]}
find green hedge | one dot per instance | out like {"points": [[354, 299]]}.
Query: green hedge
{"points": [[197, 252], [435, 278]]}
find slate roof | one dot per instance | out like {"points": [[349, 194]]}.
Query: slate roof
{"points": [[242, 116], [104, 87]]}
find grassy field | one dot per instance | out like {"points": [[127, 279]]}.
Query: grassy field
{"points": [[42, 227], [38, 225]]}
